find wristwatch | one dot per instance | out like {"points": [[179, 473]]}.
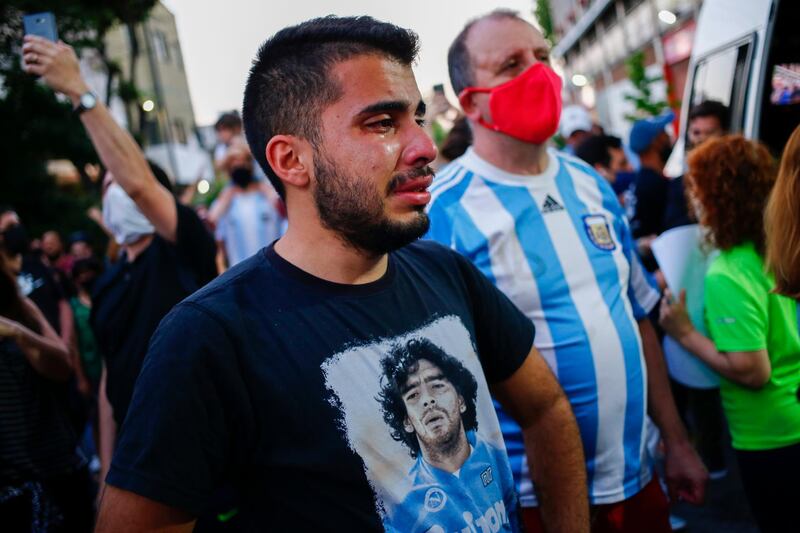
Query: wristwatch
{"points": [[86, 102]]}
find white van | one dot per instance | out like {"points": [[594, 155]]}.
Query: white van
{"points": [[746, 54]]}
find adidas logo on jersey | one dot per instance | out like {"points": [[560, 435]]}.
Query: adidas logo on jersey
{"points": [[551, 205]]}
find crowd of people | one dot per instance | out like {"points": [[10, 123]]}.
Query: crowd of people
{"points": [[479, 351]]}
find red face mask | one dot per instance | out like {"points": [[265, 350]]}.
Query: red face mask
{"points": [[527, 108]]}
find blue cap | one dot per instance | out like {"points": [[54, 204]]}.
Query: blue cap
{"points": [[644, 131]]}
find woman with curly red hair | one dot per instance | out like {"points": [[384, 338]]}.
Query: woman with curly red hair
{"points": [[783, 222], [755, 342]]}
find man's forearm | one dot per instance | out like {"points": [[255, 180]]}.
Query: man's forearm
{"points": [[117, 150], [555, 453], [661, 405], [107, 430]]}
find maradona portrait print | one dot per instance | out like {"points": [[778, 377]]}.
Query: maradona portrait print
{"points": [[426, 431]]}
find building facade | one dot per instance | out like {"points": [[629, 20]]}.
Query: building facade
{"points": [[593, 38], [160, 78]]}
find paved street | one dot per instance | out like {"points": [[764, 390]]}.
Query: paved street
{"points": [[725, 510]]}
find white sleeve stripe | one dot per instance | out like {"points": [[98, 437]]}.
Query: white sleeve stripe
{"points": [[646, 296]]}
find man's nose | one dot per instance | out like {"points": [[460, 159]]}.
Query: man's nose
{"points": [[427, 399], [420, 149]]}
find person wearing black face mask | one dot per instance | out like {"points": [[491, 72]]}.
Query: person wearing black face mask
{"points": [[646, 200], [247, 214]]}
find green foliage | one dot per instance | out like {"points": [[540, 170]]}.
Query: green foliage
{"points": [[642, 97], [127, 91], [545, 19], [37, 126]]}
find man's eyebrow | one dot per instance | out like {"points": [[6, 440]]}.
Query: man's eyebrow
{"points": [[390, 106], [435, 377], [386, 106]]}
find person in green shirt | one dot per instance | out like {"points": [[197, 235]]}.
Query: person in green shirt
{"points": [[84, 273], [755, 342]]}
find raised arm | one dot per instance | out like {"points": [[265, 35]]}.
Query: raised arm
{"points": [[533, 397], [58, 66]]}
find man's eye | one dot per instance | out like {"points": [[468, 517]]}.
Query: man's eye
{"points": [[421, 122], [510, 64], [411, 396], [382, 125]]}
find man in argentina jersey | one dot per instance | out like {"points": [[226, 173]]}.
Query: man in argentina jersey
{"points": [[549, 232]]}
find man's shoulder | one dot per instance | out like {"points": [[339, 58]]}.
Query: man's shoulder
{"points": [[578, 168], [451, 181]]}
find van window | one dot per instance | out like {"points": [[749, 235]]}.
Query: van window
{"points": [[722, 77], [780, 100]]}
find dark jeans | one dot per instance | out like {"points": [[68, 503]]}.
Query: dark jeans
{"points": [[771, 480], [61, 504], [701, 411]]}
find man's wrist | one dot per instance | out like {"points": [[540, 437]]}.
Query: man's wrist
{"points": [[78, 89], [675, 438]]}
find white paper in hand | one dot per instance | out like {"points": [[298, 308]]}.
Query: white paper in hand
{"points": [[684, 263]]}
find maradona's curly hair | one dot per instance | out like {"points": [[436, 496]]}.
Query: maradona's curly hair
{"points": [[732, 177], [403, 360]]}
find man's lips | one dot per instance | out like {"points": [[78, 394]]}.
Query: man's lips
{"points": [[418, 184], [414, 191], [433, 417]]}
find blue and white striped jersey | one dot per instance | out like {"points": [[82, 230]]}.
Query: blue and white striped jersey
{"points": [[250, 224], [559, 246]]}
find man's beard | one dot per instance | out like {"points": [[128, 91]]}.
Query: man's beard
{"points": [[351, 207]]}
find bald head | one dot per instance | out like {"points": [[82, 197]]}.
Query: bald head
{"points": [[488, 35]]}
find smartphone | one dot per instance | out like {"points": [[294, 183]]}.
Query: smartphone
{"points": [[41, 24]]}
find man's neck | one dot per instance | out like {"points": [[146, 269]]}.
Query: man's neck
{"points": [[321, 253], [652, 162], [509, 154], [452, 457]]}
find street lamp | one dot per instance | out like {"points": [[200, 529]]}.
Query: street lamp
{"points": [[667, 17], [579, 80], [148, 105]]}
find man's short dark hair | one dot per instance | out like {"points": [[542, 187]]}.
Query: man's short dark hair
{"points": [[712, 108], [403, 360], [230, 121], [289, 82], [459, 62], [595, 149]]}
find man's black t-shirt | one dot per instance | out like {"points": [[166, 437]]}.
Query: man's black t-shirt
{"points": [[277, 382], [39, 282], [676, 212], [130, 300], [650, 192]]}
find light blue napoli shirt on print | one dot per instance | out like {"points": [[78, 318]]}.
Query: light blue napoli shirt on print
{"points": [[479, 497], [558, 245]]}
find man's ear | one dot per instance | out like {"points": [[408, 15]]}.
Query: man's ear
{"points": [[290, 158], [462, 405], [407, 425], [467, 101]]}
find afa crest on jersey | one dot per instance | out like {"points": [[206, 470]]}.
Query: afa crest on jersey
{"points": [[598, 231]]}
